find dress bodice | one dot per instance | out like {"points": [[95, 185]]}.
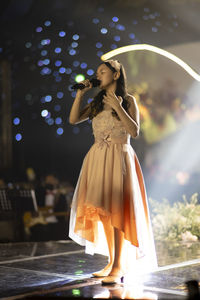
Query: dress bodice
{"points": [[107, 128]]}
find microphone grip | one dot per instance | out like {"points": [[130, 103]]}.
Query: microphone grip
{"points": [[79, 86], [95, 82]]}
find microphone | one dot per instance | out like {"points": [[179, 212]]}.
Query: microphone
{"points": [[95, 82]]}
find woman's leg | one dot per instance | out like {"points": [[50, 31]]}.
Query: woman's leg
{"points": [[109, 233], [118, 248]]}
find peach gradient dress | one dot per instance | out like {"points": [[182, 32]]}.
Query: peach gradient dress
{"points": [[111, 183]]}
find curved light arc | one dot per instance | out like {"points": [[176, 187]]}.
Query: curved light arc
{"points": [[155, 49]]}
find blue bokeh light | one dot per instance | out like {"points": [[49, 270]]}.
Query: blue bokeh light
{"points": [[99, 45], [60, 131], [72, 52], [76, 63], [75, 37], [58, 121], [117, 38], [16, 121], [44, 52], [95, 21], [60, 95], [50, 121], [47, 23], [62, 70], [46, 61], [76, 130], [57, 107], [58, 63], [90, 72], [115, 19], [120, 27], [104, 30], [132, 35], [83, 65], [18, 137], [62, 33], [39, 29], [48, 98], [68, 71], [58, 50], [74, 45]]}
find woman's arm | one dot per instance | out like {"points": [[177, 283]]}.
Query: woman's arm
{"points": [[76, 114], [130, 118]]}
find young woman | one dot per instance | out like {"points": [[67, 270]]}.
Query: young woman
{"points": [[110, 190]]}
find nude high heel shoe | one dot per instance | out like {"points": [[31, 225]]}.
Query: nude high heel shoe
{"points": [[113, 279]]}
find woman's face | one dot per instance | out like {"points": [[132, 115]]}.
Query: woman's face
{"points": [[105, 75]]}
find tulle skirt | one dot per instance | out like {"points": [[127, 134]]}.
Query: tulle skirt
{"points": [[111, 184]]}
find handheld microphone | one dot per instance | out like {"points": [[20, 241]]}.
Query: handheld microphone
{"points": [[95, 82]]}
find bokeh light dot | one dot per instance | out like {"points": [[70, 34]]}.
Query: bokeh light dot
{"points": [[90, 72], [60, 131], [48, 98], [104, 30], [76, 63], [62, 70], [113, 46], [99, 53], [57, 107], [46, 61], [44, 52], [58, 63], [44, 113], [98, 45], [58, 121], [47, 23], [58, 50], [72, 52], [154, 29], [74, 45], [76, 130], [115, 19], [131, 35], [120, 27], [95, 21], [73, 94], [28, 45], [16, 121], [117, 38], [60, 95], [38, 29], [62, 33], [50, 121], [18, 137], [75, 37], [83, 65], [68, 71]]}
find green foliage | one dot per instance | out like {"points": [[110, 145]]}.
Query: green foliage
{"points": [[180, 221]]}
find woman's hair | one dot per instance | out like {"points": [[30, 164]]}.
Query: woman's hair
{"points": [[97, 104]]}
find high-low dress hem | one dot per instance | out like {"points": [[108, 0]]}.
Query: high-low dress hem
{"points": [[111, 184]]}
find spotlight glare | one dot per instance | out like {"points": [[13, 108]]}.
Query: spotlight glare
{"points": [[160, 51], [79, 77]]}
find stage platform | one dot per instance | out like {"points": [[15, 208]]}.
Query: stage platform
{"points": [[62, 269]]}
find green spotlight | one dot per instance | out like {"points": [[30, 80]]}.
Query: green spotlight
{"points": [[79, 78]]}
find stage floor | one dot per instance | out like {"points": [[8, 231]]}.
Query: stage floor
{"points": [[62, 269]]}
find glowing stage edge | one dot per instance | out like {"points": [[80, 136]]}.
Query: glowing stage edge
{"points": [[160, 51]]}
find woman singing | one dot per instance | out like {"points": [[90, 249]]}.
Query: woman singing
{"points": [[110, 190]]}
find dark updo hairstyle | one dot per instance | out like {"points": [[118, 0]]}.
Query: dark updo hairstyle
{"points": [[97, 104]]}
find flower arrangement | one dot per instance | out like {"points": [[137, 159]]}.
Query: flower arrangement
{"points": [[179, 221]]}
